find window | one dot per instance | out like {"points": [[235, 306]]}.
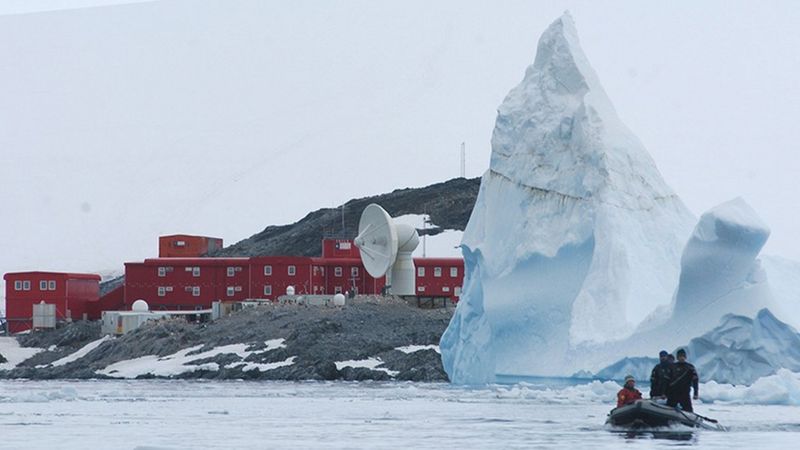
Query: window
{"points": [[453, 272], [292, 270], [180, 243], [354, 272], [421, 289], [231, 271], [162, 271], [195, 291], [18, 285], [437, 271], [457, 291], [195, 271], [26, 285], [230, 291], [420, 271], [43, 285], [337, 290], [337, 271], [267, 270], [162, 291], [268, 290], [446, 289], [51, 285]]}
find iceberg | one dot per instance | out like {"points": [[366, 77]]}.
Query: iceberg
{"points": [[577, 253], [575, 237]]}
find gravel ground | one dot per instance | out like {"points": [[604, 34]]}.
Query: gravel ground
{"points": [[367, 327]]}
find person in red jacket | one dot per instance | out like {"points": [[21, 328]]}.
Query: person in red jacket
{"points": [[628, 394]]}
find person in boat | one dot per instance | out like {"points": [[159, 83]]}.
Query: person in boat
{"points": [[683, 378], [659, 377], [628, 394]]}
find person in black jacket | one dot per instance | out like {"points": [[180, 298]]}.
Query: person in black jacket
{"points": [[683, 377], [659, 377]]}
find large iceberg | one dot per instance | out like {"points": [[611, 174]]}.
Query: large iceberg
{"points": [[578, 254], [574, 239]]}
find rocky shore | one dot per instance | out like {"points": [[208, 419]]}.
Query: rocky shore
{"points": [[371, 338]]}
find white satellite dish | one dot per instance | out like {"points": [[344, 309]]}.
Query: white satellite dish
{"points": [[386, 249]]}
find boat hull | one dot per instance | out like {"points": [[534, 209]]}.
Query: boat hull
{"points": [[648, 414]]}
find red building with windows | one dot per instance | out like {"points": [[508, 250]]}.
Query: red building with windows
{"points": [[187, 246], [72, 293], [194, 283]]}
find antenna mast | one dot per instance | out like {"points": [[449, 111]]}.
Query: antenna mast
{"points": [[463, 160]]}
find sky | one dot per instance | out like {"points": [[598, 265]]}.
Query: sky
{"points": [[124, 122]]}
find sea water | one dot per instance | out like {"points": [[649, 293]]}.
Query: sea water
{"points": [[158, 414]]}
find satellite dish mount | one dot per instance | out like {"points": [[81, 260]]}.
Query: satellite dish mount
{"points": [[386, 249]]}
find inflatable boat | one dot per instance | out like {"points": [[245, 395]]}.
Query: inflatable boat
{"points": [[649, 414]]}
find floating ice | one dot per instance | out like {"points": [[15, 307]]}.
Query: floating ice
{"points": [[574, 237]]}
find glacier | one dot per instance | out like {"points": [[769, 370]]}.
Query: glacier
{"points": [[578, 254]]}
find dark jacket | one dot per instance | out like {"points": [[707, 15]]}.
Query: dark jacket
{"points": [[682, 378], [659, 379]]}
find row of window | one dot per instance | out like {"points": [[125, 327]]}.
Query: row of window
{"points": [[195, 290], [25, 285], [456, 290], [292, 271], [437, 272]]}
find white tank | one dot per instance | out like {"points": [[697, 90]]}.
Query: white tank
{"points": [[289, 290], [140, 306], [338, 300]]}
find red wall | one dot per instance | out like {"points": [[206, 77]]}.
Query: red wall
{"points": [[192, 246], [71, 295], [178, 279]]}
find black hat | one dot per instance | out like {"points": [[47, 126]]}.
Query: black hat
{"points": [[662, 353], [680, 352]]}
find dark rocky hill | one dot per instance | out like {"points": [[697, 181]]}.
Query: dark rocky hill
{"points": [[449, 205]]}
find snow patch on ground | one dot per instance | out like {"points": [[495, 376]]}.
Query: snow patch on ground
{"points": [[416, 348], [180, 362], [263, 367], [79, 354], [369, 363], [14, 354]]}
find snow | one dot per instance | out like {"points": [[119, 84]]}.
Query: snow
{"points": [[445, 244], [416, 348], [575, 236], [181, 361], [83, 351], [14, 354], [369, 363]]}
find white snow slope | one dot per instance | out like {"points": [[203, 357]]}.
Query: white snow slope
{"points": [[574, 238], [576, 252]]}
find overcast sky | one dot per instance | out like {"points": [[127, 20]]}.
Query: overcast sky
{"points": [[120, 123]]}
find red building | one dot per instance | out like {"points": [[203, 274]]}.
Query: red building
{"points": [[72, 294], [186, 246], [439, 277], [186, 283], [194, 283]]}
